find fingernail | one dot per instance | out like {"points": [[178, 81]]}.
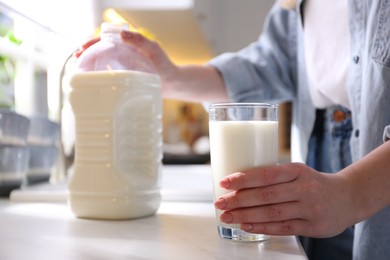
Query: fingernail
{"points": [[225, 183], [220, 203], [226, 217], [126, 34], [247, 227], [77, 53]]}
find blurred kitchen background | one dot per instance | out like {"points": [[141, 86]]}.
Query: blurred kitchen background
{"points": [[38, 36]]}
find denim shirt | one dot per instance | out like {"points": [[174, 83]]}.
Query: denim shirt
{"points": [[272, 69]]}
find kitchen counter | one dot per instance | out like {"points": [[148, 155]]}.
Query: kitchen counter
{"points": [[183, 228]]}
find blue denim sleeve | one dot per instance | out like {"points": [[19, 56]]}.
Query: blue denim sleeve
{"points": [[265, 71]]}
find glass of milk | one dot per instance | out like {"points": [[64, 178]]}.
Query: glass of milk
{"points": [[242, 136]]}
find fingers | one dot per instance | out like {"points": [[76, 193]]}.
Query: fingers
{"points": [[153, 52], [258, 196], [279, 228], [85, 46], [140, 42], [298, 227], [90, 43], [267, 213], [262, 176], [280, 219], [133, 38]]}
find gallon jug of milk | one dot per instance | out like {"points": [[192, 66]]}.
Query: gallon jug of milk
{"points": [[117, 105]]}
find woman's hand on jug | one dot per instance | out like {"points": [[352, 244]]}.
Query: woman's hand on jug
{"points": [[154, 53], [288, 199], [149, 49], [190, 82]]}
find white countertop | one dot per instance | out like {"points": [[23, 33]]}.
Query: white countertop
{"points": [[183, 228]]}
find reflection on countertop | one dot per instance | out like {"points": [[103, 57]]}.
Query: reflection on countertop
{"points": [[178, 183]]}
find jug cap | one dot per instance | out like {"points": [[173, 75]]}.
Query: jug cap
{"points": [[113, 27]]}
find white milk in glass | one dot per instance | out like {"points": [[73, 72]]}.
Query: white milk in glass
{"points": [[240, 145], [118, 144]]}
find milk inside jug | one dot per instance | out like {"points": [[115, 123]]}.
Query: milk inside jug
{"points": [[117, 105]]}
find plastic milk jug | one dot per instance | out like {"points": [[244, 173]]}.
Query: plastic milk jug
{"points": [[117, 105]]}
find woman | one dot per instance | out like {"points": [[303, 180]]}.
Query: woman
{"points": [[293, 198]]}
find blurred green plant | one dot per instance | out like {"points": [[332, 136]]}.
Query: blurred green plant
{"points": [[7, 74]]}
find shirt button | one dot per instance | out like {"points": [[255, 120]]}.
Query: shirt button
{"points": [[355, 59], [357, 133]]}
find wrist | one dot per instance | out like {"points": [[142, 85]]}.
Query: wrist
{"points": [[368, 182], [357, 201]]}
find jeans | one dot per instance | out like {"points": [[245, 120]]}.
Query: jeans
{"points": [[329, 152]]}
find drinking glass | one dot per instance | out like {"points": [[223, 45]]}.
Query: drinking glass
{"points": [[242, 136]]}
